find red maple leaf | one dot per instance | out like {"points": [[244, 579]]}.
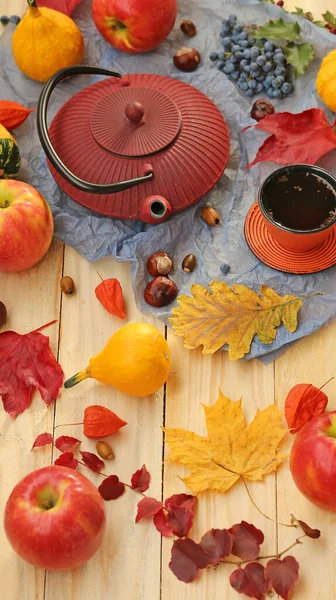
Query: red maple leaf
{"points": [[64, 6], [296, 138], [217, 543], [67, 459], [140, 479], [66, 443], [43, 440], [282, 575], [250, 581], [147, 507], [92, 461], [111, 488], [246, 540], [27, 362], [304, 401]]}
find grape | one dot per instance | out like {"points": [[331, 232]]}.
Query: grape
{"points": [[226, 23], [275, 93], [276, 83], [259, 88], [243, 76], [244, 85], [260, 77], [235, 75], [252, 84], [239, 55], [233, 18], [267, 67], [252, 41], [220, 65], [244, 62], [226, 41], [278, 51], [247, 68], [266, 85], [235, 38], [269, 78], [243, 35], [229, 67], [270, 92], [221, 55], [260, 60], [247, 53], [249, 92], [238, 28], [286, 88], [279, 58], [254, 52], [235, 48], [254, 66], [213, 56], [280, 79], [269, 55], [280, 71], [244, 44], [268, 46]]}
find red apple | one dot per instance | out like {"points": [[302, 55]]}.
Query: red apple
{"points": [[134, 26], [313, 461], [26, 225], [55, 518]]}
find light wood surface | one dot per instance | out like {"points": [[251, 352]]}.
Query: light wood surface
{"points": [[133, 561]]}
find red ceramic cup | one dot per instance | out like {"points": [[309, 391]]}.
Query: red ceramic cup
{"points": [[296, 239]]}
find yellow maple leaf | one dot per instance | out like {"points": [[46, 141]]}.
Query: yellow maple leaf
{"points": [[232, 316], [232, 448]]}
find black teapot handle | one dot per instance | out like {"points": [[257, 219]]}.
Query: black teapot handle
{"points": [[42, 128]]}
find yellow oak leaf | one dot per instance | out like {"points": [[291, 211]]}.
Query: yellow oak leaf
{"points": [[232, 316], [232, 448]]}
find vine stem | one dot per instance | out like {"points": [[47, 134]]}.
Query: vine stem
{"points": [[250, 496], [44, 326], [243, 562]]}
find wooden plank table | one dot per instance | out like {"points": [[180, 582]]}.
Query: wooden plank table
{"points": [[133, 561]]}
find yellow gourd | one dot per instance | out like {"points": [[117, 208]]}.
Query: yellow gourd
{"points": [[45, 41], [135, 360], [326, 80]]}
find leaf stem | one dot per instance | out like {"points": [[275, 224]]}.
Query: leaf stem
{"points": [[326, 383], [99, 275], [44, 326], [125, 484], [278, 555]]}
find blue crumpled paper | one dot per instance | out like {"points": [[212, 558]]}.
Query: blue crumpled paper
{"points": [[95, 236]]}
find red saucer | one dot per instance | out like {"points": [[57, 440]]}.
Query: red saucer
{"points": [[273, 255]]}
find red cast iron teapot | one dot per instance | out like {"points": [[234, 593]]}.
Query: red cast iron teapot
{"points": [[161, 142]]}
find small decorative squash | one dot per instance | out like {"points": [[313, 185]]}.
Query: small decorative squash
{"points": [[46, 41], [10, 159], [326, 80]]}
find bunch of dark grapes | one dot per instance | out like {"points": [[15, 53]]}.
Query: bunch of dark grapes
{"points": [[257, 66]]}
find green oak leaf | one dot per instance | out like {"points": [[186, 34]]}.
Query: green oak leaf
{"points": [[299, 57], [279, 29], [329, 17], [298, 11], [319, 23]]}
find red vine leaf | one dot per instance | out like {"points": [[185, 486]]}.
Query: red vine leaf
{"points": [[250, 581], [217, 543], [148, 507], [67, 459], [140, 479], [180, 513], [43, 440], [312, 533], [100, 421], [109, 294], [111, 488], [66, 443], [246, 540], [303, 402], [27, 362], [282, 575], [161, 524], [64, 6], [92, 461], [187, 558], [296, 138]]}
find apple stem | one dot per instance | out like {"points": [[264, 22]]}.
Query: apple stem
{"points": [[326, 383], [44, 326]]}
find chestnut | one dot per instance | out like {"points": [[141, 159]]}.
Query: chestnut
{"points": [[187, 59], [188, 28], [160, 291], [261, 109], [189, 263], [159, 263]]}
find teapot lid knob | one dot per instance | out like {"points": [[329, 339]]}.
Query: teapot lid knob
{"points": [[134, 112]]}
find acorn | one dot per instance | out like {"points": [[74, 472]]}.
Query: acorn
{"points": [[67, 285], [104, 450], [210, 216]]}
